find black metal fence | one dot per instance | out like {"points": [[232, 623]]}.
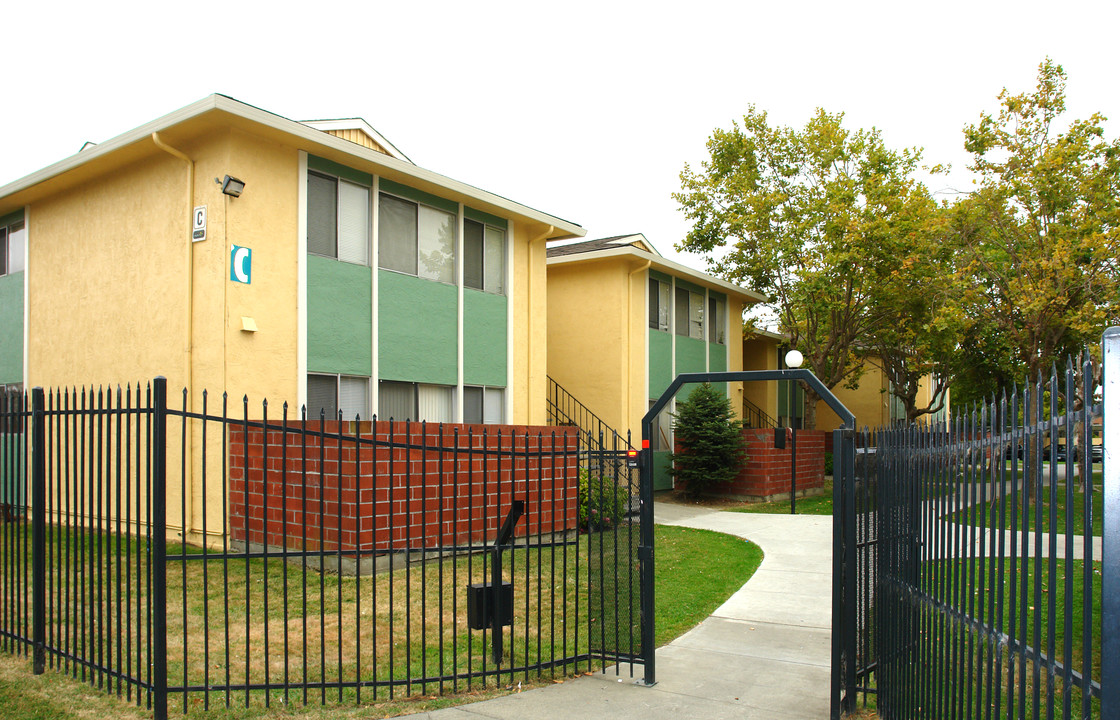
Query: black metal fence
{"points": [[184, 557], [977, 590]]}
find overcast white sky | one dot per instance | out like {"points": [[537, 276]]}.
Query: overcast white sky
{"points": [[585, 110]]}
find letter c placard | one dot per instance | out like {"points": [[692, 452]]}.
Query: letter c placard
{"points": [[241, 264]]}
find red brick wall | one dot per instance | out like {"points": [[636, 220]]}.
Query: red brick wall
{"points": [[766, 472], [423, 487]]}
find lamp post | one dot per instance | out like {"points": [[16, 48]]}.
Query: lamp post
{"points": [[794, 358]]}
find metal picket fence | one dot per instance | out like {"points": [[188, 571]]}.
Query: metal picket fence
{"points": [[185, 557], [984, 565]]}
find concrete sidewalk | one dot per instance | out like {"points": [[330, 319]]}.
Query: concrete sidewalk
{"points": [[763, 654]]}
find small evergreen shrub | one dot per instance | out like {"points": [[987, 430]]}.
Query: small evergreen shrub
{"points": [[711, 449], [602, 502], [828, 463]]}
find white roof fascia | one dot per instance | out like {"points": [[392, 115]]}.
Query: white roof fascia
{"points": [[659, 263], [358, 124], [299, 130]]}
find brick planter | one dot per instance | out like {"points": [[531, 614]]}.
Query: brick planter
{"points": [[411, 487], [766, 474]]}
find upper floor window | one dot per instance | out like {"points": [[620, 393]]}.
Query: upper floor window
{"points": [[716, 319], [659, 305], [416, 239], [12, 242], [689, 314], [338, 218], [484, 257]]}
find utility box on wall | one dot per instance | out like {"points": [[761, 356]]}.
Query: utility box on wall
{"points": [[480, 605]]}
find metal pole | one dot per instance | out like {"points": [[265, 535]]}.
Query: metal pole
{"points": [[38, 538], [1110, 555], [158, 570], [793, 471], [645, 553]]}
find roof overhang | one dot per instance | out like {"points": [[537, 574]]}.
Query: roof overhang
{"points": [[658, 262], [219, 111]]}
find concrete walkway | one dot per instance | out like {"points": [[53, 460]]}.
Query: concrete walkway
{"points": [[764, 654]]}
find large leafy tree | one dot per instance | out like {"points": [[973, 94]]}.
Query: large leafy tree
{"points": [[1039, 240], [814, 218], [917, 334]]}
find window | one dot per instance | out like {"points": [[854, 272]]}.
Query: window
{"points": [[689, 314], [338, 218], [415, 401], [416, 239], [716, 320], [484, 257], [658, 305], [12, 406], [12, 241], [332, 394], [483, 405], [662, 428]]}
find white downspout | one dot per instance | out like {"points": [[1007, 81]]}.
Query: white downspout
{"points": [[188, 350]]}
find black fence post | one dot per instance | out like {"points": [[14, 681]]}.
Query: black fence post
{"points": [[158, 553], [645, 553], [1110, 553], [38, 531], [839, 518]]}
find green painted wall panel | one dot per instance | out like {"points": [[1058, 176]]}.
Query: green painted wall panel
{"points": [[10, 218], [417, 329], [690, 355], [11, 328], [485, 217], [660, 362], [690, 286], [419, 196], [330, 167], [660, 276], [339, 317], [484, 338], [717, 362], [662, 480]]}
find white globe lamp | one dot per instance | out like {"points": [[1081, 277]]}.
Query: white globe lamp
{"points": [[794, 358]]}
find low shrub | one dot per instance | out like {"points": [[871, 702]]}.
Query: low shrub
{"points": [[602, 501]]}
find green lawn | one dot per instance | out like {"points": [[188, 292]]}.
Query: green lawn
{"points": [[1032, 621], [1050, 513], [814, 505], [689, 587]]}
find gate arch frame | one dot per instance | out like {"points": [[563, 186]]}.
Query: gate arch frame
{"points": [[843, 533]]}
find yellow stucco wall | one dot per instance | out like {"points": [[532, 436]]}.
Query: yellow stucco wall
{"points": [[110, 272], [761, 353], [870, 402], [529, 374], [586, 352]]}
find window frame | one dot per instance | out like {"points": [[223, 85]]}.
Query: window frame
{"points": [[486, 228], [415, 387], [362, 414], [417, 205], [485, 390], [338, 216], [658, 315], [7, 262]]}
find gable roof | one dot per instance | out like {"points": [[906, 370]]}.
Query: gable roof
{"points": [[636, 240], [638, 248], [344, 127], [221, 111]]}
